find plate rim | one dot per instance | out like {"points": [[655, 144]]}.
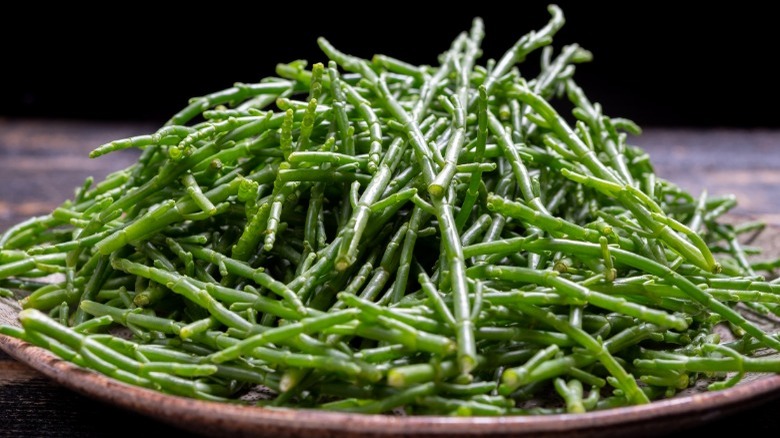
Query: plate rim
{"points": [[245, 419]]}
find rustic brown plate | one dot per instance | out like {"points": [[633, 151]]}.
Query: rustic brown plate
{"points": [[696, 406]]}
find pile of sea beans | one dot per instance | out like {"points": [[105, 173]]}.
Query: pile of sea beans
{"points": [[373, 236]]}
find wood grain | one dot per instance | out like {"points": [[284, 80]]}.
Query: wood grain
{"points": [[745, 163], [42, 161], [33, 406], [15, 373]]}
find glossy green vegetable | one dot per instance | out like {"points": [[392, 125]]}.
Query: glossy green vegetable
{"points": [[370, 235]]}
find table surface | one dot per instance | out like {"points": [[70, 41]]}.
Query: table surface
{"points": [[41, 162]]}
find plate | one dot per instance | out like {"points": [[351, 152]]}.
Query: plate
{"points": [[693, 407]]}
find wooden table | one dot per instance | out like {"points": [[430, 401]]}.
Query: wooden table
{"points": [[41, 162]]}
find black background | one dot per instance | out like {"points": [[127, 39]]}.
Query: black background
{"points": [[659, 63]]}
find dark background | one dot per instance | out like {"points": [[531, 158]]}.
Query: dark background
{"points": [[659, 63]]}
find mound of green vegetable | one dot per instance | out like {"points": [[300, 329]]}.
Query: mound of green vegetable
{"points": [[437, 239]]}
